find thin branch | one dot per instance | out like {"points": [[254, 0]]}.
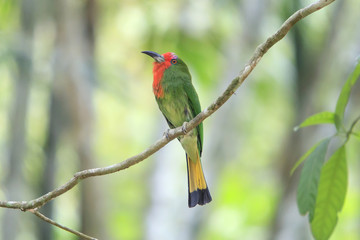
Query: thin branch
{"points": [[174, 133], [48, 220], [348, 133]]}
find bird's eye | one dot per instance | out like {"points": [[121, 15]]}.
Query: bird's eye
{"points": [[173, 61]]}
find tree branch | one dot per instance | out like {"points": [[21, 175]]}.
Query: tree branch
{"points": [[52, 222], [174, 133], [348, 133]]}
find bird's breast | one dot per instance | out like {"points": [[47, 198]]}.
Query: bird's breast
{"points": [[158, 89]]}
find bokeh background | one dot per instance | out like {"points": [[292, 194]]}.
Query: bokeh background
{"points": [[76, 93]]}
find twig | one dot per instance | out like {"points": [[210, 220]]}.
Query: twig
{"points": [[48, 220], [174, 133], [348, 133]]}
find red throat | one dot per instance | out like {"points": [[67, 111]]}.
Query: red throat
{"points": [[158, 72]]}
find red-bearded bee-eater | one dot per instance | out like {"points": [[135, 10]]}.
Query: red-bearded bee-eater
{"points": [[179, 103]]}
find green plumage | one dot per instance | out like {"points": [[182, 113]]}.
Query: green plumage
{"points": [[180, 102]]}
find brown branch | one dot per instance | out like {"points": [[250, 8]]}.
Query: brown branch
{"points": [[52, 222], [174, 133]]}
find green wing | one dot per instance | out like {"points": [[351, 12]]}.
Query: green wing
{"points": [[195, 108]]}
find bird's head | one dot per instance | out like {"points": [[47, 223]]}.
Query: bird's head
{"points": [[166, 65], [166, 61]]}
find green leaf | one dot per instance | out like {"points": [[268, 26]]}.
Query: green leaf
{"points": [[344, 97], [303, 157], [309, 179], [331, 195], [318, 118]]}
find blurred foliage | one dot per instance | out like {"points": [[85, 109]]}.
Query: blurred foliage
{"points": [[245, 141]]}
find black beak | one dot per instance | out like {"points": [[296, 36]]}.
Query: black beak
{"points": [[157, 57]]}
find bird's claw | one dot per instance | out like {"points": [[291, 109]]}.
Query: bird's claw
{"points": [[166, 133], [183, 128]]}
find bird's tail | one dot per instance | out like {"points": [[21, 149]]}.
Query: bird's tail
{"points": [[198, 190]]}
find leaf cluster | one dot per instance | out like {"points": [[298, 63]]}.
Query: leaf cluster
{"points": [[322, 186]]}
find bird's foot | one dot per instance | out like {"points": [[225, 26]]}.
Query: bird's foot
{"points": [[183, 128], [166, 133]]}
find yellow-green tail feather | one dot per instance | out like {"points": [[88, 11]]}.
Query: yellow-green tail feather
{"points": [[198, 190]]}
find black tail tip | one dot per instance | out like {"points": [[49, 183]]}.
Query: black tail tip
{"points": [[200, 196]]}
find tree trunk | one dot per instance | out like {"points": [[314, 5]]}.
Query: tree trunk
{"points": [[14, 181], [71, 108]]}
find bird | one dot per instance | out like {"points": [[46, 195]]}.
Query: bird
{"points": [[179, 103]]}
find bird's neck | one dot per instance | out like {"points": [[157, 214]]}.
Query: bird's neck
{"points": [[158, 72]]}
